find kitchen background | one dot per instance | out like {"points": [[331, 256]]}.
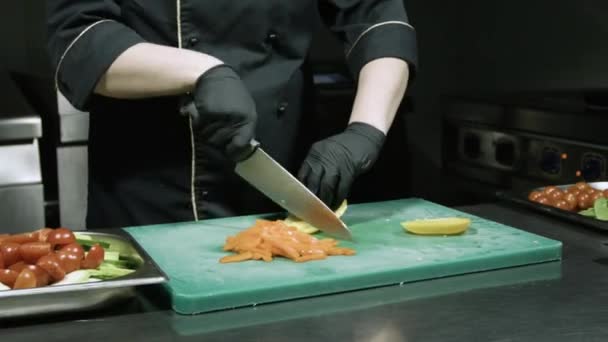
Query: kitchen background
{"points": [[509, 95]]}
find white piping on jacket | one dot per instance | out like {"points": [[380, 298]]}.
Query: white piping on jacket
{"points": [[86, 29], [192, 145], [393, 22]]}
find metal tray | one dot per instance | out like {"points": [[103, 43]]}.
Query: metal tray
{"points": [[522, 199], [86, 296]]}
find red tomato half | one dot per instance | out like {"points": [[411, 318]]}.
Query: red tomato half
{"points": [[18, 266], [61, 236], [43, 234], [74, 248], [94, 258], [32, 251], [22, 238], [50, 263], [8, 277], [25, 280], [42, 276], [10, 253], [70, 262]]}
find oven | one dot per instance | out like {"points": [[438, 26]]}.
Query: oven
{"points": [[513, 144]]}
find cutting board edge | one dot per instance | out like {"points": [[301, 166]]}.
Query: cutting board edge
{"points": [[543, 254]]}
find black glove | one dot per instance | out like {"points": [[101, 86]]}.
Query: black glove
{"points": [[333, 164], [223, 112]]}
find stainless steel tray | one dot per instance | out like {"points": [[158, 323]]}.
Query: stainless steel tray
{"points": [[86, 296], [521, 198]]}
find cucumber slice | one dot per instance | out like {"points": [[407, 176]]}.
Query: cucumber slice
{"points": [[87, 244], [601, 209], [82, 236], [111, 256], [588, 212]]}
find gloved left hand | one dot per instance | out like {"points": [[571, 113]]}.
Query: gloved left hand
{"points": [[334, 163]]}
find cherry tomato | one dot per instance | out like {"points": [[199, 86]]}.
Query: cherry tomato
{"points": [[18, 267], [61, 236], [561, 204], [74, 248], [548, 190], [94, 258], [582, 185], [556, 195], [32, 251], [597, 195], [22, 238], [42, 277], [8, 277], [3, 237], [572, 190], [606, 193], [534, 195], [544, 200], [43, 234], [572, 201], [50, 263], [590, 191], [584, 201], [10, 252], [1, 261], [25, 280], [70, 262]]}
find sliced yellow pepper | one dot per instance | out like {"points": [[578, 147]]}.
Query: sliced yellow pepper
{"points": [[438, 226], [306, 227]]}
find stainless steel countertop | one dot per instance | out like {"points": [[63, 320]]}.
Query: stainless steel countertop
{"points": [[565, 301]]}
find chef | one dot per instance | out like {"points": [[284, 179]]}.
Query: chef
{"points": [[176, 90]]}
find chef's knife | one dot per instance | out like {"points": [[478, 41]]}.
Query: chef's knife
{"points": [[270, 178]]}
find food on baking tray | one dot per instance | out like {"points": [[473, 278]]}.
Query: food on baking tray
{"points": [[437, 226], [598, 211], [308, 228], [268, 239], [56, 257], [580, 196]]}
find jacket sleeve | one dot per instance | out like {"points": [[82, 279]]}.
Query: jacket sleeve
{"points": [[84, 39], [371, 29]]}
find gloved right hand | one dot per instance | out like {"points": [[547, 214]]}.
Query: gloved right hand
{"points": [[223, 112]]}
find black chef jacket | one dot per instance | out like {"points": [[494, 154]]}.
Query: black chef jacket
{"points": [[146, 164]]}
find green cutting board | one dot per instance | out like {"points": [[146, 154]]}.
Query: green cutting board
{"points": [[189, 252]]}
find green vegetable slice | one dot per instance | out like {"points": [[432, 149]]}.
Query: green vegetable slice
{"points": [[108, 271], [111, 255], [588, 212], [87, 244], [601, 209]]}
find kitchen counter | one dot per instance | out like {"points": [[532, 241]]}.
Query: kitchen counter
{"points": [[565, 301]]}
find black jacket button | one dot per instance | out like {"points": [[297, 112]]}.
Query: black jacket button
{"points": [[192, 41], [272, 38], [282, 108]]}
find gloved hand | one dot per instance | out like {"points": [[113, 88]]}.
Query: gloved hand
{"points": [[223, 112], [333, 164]]}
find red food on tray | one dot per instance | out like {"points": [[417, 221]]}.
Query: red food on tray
{"points": [[43, 257], [577, 197]]}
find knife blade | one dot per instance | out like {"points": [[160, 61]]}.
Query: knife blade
{"points": [[270, 178]]}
